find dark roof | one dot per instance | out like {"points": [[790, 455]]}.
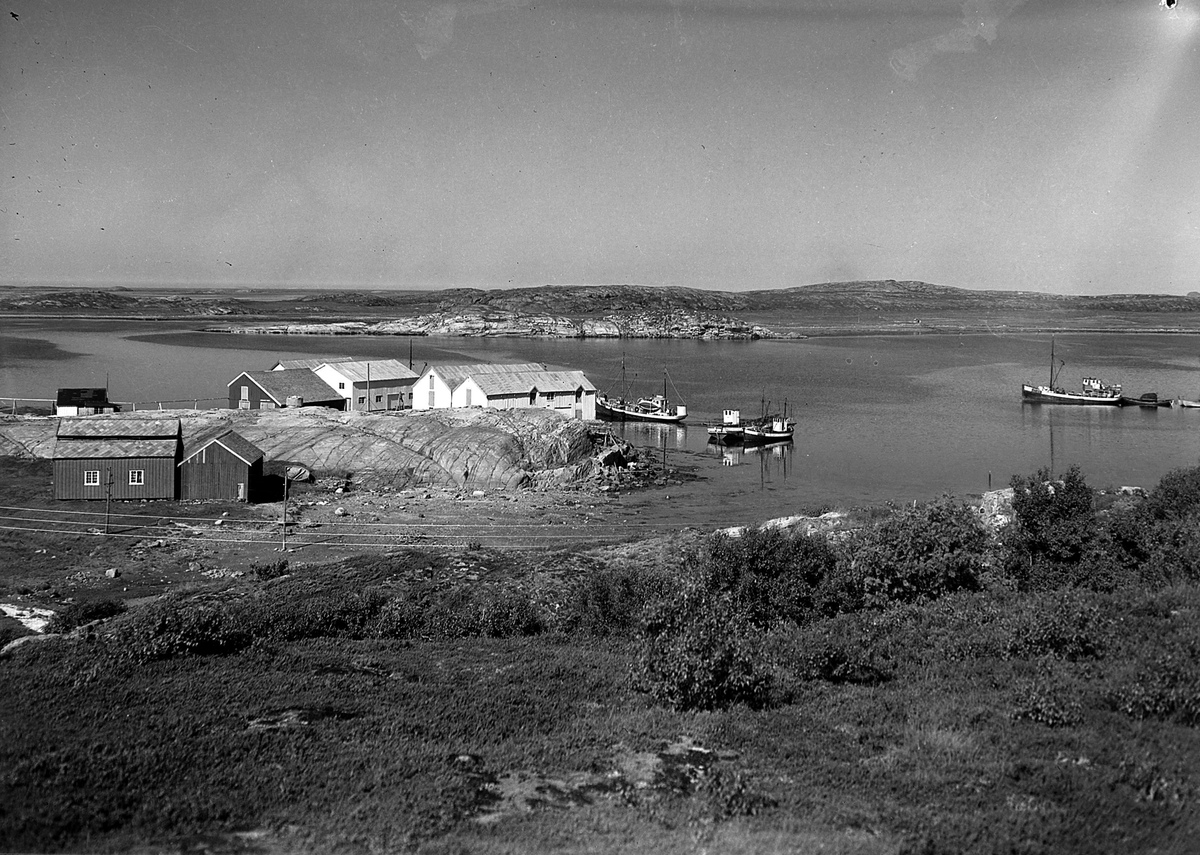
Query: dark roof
{"points": [[233, 442], [285, 364], [292, 382], [80, 449], [82, 398], [121, 427]]}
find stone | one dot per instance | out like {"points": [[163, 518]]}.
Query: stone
{"points": [[112, 572]]}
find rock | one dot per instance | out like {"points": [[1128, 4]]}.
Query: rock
{"points": [[478, 494], [341, 512], [24, 640], [112, 572], [194, 567]]}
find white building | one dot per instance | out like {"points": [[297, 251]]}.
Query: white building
{"points": [[370, 385], [567, 392], [435, 386]]}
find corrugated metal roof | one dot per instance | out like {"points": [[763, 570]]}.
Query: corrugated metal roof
{"points": [[379, 369], [309, 363], [79, 449], [292, 382], [453, 375], [521, 382], [117, 428], [234, 442]]}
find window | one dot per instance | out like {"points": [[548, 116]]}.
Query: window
{"points": [[468, 401], [341, 385], [91, 478], [245, 393], [549, 397], [430, 381], [137, 477], [362, 399], [378, 398]]}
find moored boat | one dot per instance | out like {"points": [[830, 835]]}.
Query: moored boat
{"points": [[1093, 390], [1189, 405], [729, 431], [657, 408], [1150, 400], [770, 428]]}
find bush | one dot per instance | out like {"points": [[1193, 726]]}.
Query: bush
{"points": [[173, 627], [701, 652], [610, 601], [1068, 626], [77, 614], [1046, 700], [919, 553], [770, 574], [1177, 495], [1053, 523], [1168, 690]]}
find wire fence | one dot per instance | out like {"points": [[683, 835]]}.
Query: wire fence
{"points": [[296, 535]]}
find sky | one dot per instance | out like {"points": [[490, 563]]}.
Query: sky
{"points": [[1044, 145]]}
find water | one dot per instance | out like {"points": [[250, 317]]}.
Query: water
{"points": [[880, 418]]}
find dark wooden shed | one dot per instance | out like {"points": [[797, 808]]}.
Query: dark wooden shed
{"points": [[106, 457], [83, 402], [224, 466]]}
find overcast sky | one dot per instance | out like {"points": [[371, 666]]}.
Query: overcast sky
{"points": [[1048, 145]]}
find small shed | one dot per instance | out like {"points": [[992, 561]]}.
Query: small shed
{"points": [[83, 402], [289, 387], [119, 458], [225, 465]]}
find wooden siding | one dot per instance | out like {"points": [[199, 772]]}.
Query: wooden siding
{"points": [[214, 473], [255, 392], [160, 478]]}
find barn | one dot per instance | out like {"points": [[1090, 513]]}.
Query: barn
{"points": [[290, 387], [224, 465], [83, 402], [117, 458]]}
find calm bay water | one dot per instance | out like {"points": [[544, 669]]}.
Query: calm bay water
{"points": [[881, 418]]}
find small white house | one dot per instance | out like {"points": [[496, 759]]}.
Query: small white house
{"points": [[371, 385], [435, 386], [567, 392]]}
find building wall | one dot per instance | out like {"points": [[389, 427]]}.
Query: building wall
{"points": [[159, 478], [215, 473], [431, 392], [254, 399], [383, 395]]}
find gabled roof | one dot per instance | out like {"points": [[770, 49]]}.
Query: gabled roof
{"points": [[292, 382], [113, 448], [522, 382], [309, 363], [454, 375], [108, 427], [82, 398], [376, 369], [233, 442]]}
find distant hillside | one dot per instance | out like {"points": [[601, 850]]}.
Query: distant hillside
{"points": [[580, 301]]}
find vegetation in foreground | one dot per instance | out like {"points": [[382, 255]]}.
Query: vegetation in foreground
{"points": [[919, 685]]}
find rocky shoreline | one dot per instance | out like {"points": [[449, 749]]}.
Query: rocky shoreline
{"points": [[513, 324]]}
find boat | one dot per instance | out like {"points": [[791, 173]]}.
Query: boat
{"points": [[769, 428], [729, 431], [1093, 390], [1150, 399], [1189, 405], [657, 408]]}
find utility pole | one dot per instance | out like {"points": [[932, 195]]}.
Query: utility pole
{"points": [[283, 547], [108, 499]]}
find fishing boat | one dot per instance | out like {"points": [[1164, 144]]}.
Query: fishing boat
{"points": [[1188, 404], [729, 431], [657, 408], [770, 428], [1092, 391]]}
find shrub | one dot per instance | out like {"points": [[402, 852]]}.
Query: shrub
{"points": [[1047, 699], [610, 601], [1177, 495], [1168, 690], [700, 652], [1068, 626], [1053, 522], [173, 627], [77, 614], [919, 553], [771, 574]]}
